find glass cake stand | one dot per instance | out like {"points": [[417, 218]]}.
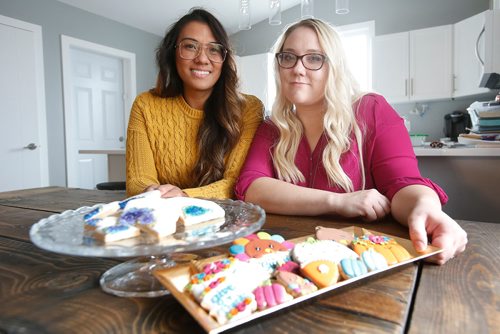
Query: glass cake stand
{"points": [[64, 233]]}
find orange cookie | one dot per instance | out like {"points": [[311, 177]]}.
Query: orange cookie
{"points": [[386, 253], [399, 251], [322, 273], [388, 247]]}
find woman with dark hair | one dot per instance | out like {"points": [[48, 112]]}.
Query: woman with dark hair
{"points": [[189, 135]]}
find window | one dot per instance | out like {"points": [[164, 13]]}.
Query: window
{"points": [[357, 39]]}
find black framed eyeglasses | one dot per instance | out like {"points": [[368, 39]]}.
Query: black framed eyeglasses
{"points": [[311, 61], [190, 49]]}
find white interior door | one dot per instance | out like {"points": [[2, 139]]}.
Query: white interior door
{"points": [[23, 137], [96, 109], [97, 87]]}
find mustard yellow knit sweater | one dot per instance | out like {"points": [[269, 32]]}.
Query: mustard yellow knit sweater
{"points": [[162, 147]]}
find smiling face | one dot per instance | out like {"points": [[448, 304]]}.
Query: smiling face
{"points": [[304, 88], [198, 75]]}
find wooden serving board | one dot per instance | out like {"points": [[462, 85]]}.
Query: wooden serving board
{"points": [[176, 278]]}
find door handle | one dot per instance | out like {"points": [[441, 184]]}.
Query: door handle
{"points": [[31, 146], [121, 139]]}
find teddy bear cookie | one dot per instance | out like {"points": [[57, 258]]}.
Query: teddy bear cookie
{"points": [[294, 284]]}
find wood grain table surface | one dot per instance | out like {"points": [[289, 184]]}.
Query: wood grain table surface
{"points": [[45, 292]]}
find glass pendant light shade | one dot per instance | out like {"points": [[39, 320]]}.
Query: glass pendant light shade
{"points": [[341, 6], [306, 9], [244, 17], [274, 12]]}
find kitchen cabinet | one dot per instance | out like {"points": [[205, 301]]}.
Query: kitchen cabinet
{"points": [[414, 65], [257, 77], [492, 41], [468, 45]]}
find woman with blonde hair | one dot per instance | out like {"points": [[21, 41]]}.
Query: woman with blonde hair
{"points": [[328, 148]]}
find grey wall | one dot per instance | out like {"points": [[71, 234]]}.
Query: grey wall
{"points": [[58, 19], [390, 16]]}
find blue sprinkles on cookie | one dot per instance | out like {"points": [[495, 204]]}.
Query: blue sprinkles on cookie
{"points": [[194, 210]]}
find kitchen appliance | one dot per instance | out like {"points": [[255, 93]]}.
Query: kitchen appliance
{"points": [[456, 123]]}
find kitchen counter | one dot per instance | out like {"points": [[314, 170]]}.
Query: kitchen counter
{"points": [[116, 162], [463, 151], [117, 152]]}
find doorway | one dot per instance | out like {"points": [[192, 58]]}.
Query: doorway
{"points": [[23, 129], [99, 88]]}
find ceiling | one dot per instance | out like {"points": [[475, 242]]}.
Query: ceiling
{"points": [[155, 16]]}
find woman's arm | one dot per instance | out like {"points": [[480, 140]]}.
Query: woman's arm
{"points": [[419, 207], [280, 197]]}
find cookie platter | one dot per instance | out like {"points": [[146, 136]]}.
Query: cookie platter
{"points": [[64, 233], [176, 279]]}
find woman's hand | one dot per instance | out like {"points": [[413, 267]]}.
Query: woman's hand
{"points": [[167, 190], [443, 232], [418, 207], [368, 204]]}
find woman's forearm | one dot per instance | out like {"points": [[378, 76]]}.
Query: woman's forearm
{"points": [[407, 198], [280, 197]]}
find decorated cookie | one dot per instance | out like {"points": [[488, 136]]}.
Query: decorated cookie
{"points": [[322, 273], [116, 233], [373, 260], [313, 250], [294, 284], [149, 194], [209, 277], [94, 223], [102, 211], [229, 303], [388, 247], [290, 266], [151, 215], [271, 294], [350, 268], [196, 210], [225, 288], [327, 233], [269, 251]]}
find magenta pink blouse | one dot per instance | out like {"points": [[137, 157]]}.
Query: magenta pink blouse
{"points": [[389, 160]]}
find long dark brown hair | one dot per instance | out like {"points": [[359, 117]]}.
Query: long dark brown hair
{"points": [[221, 125]]}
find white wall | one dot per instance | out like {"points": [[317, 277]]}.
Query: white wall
{"points": [[57, 19]]}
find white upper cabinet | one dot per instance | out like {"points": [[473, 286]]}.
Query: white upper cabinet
{"points": [[391, 65], [414, 65], [468, 47], [492, 41]]}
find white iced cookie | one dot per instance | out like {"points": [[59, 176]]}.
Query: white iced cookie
{"points": [[102, 211], [152, 215], [115, 233], [93, 224], [314, 250], [196, 210]]}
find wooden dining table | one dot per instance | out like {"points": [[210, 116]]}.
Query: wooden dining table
{"points": [[46, 292]]}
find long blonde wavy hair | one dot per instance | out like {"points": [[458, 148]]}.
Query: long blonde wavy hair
{"points": [[339, 122]]}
